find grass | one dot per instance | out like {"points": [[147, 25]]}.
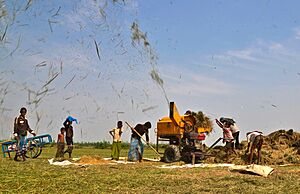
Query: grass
{"points": [[37, 176]]}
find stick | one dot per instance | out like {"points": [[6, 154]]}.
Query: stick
{"points": [[97, 49], [142, 139], [214, 143], [70, 81]]}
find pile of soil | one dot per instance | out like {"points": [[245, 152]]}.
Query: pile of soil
{"points": [[279, 147], [92, 160]]}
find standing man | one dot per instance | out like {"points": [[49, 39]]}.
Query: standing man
{"points": [[116, 145], [60, 143], [227, 135], [21, 127], [69, 134], [234, 129], [136, 146]]}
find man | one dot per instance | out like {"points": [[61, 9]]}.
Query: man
{"points": [[227, 135], [255, 140], [60, 143], [116, 145], [136, 146], [69, 134], [21, 127], [234, 129]]}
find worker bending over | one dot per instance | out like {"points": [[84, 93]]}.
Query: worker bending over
{"points": [[255, 140], [136, 146]]}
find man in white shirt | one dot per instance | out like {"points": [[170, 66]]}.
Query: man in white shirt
{"points": [[255, 140], [116, 145]]}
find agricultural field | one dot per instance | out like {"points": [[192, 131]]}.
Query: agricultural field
{"points": [[38, 176]]}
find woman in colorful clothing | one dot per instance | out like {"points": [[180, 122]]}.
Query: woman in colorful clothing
{"points": [[136, 146]]}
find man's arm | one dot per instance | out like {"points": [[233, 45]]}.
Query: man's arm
{"points": [[111, 133], [147, 135], [29, 129], [16, 132], [248, 147], [16, 126], [58, 138], [219, 123], [66, 123]]}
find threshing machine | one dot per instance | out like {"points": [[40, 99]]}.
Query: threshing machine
{"points": [[185, 140]]}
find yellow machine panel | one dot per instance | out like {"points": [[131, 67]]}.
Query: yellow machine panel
{"points": [[174, 114], [204, 130], [175, 124], [166, 127]]}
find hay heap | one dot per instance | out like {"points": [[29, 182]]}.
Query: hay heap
{"points": [[280, 147], [92, 160]]}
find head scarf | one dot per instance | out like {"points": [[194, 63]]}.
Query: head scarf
{"points": [[71, 119]]}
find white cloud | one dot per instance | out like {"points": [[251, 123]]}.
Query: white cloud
{"points": [[276, 47], [297, 34], [244, 54], [261, 55], [201, 86], [183, 81]]}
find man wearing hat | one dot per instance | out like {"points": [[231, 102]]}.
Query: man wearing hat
{"points": [[116, 145]]}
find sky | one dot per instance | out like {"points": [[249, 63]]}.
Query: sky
{"points": [[226, 58]]}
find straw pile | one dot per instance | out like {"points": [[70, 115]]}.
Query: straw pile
{"points": [[280, 147], [92, 160]]}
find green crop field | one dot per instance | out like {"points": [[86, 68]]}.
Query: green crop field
{"points": [[38, 176]]}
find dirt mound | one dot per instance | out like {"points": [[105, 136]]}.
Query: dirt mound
{"points": [[279, 147], [92, 160]]}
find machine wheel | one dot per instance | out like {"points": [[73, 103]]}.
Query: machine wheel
{"points": [[172, 154], [33, 150], [187, 158]]}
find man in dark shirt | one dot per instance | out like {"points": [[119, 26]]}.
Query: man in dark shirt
{"points": [[21, 127], [69, 134], [136, 146]]}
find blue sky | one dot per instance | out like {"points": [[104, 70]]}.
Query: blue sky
{"points": [[225, 58], [216, 26]]}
